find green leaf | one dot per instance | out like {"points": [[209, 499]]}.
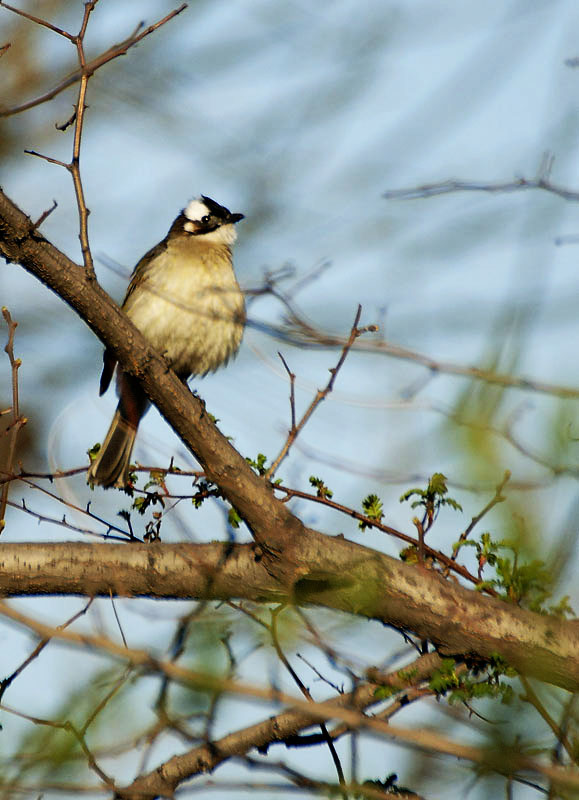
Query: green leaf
{"points": [[233, 518], [372, 508], [320, 487]]}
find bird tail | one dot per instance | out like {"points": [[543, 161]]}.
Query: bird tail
{"points": [[111, 465]]}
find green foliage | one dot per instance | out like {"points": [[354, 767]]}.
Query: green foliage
{"points": [[142, 503], [562, 608], [372, 508], [463, 686], [320, 487], [153, 528], [433, 498], [233, 518], [51, 751], [384, 692], [203, 490], [93, 452], [259, 465], [156, 478], [528, 585]]}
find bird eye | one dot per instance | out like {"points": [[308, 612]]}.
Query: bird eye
{"points": [[205, 219]]}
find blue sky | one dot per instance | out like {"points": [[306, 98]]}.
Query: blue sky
{"points": [[302, 117]]}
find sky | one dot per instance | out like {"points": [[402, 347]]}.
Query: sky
{"points": [[302, 116]]}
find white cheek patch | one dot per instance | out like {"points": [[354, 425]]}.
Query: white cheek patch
{"points": [[188, 226], [195, 210], [225, 234]]}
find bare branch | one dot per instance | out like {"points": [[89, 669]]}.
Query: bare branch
{"points": [[178, 768], [336, 574], [45, 214], [299, 332], [531, 697], [92, 66], [321, 394], [18, 421], [498, 498], [38, 20], [306, 693], [541, 181], [5, 683]]}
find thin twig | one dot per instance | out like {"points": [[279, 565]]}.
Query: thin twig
{"points": [[437, 555], [74, 166], [63, 523], [321, 394], [447, 187], [47, 158], [118, 621], [332, 709], [541, 181], [92, 66], [306, 693], [531, 697], [74, 507], [292, 378], [44, 216], [299, 331], [498, 498], [5, 683], [82, 75], [38, 21], [18, 422]]}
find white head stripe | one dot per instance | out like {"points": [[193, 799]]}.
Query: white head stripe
{"points": [[196, 209]]}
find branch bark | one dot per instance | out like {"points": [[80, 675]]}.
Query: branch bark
{"points": [[336, 574], [288, 560], [273, 526]]}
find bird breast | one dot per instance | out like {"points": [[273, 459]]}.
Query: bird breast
{"points": [[188, 304]]}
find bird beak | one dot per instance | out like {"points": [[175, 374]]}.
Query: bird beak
{"points": [[233, 218]]}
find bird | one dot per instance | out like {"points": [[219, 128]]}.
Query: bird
{"points": [[185, 299]]}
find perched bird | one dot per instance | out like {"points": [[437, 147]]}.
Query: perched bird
{"points": [[185, 299]]}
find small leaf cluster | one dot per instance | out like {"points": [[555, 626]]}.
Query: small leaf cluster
{"points": [[94, 451], [259, 464], [527, 585], [321, 489], [433, 498], [203, 490], [372, 508], [464, 687], [233, 518]]}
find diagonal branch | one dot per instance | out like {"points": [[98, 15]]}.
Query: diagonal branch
{"points": [[321, 394], [164, 780], [271, 523], [92, 66], [288, 559]]}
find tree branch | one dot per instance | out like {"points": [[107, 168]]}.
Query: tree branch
{"points": [[345, 577], [273, 526], [90, 67]]}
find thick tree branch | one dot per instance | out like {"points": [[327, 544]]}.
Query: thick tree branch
{"points": [[288, 559], [272, 524], [346, 577]]}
